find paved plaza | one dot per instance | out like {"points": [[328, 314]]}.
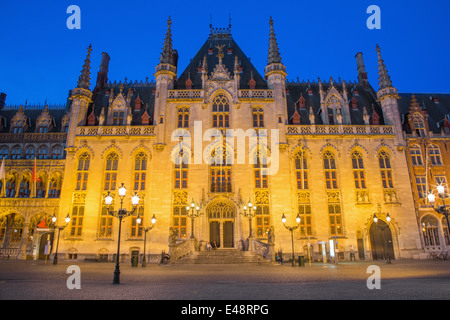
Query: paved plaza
{"points": [[405, 280]]}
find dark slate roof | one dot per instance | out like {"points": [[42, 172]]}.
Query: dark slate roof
{"points": [[32, 113], [366, 98], [214, 40], [437, 106]]}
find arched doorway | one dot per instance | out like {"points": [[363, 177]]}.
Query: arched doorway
{"points": [[381, 241], [221, 218]]}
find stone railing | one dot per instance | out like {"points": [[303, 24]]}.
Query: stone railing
{"points": [[7, 253], [339, 130], [255, 94], [116, 131], [185, 94], [181, 249], [34, 137]]}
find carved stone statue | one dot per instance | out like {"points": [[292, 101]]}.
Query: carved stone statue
{"points": [[271, 236]]}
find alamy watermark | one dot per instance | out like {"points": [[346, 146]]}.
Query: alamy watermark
{"points": [[374, 20], [374, 280]]}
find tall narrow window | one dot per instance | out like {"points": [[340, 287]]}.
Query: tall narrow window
{"points": [[359, 175], [419, 125], [301, 170], [386, 170], [260, 174], [262, 217], [421, 186], [10, 188], [416, 155], [430, 231], [183, 118], [445, 229], [334, 212], [106, 222], [304, 212], [258, 117], [329, 164], [54, 188], [24, 189], [82, 171], [77, 220], [221, 112], [111, 171], [435, 155], [140, 169], [137, 228], [180, 221], [220, 172]]}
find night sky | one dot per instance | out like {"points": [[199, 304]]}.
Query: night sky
{"points": [[41, 59]]}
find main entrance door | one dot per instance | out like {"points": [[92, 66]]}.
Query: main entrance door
{"points": [[381, 241], [221, 225]]}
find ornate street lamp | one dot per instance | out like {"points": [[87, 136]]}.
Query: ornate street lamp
{"points": [[442, 209], [193, 212], [138, 221], [291, 229], [120, 214], [383, 229], [249, 212], [61, 227]]}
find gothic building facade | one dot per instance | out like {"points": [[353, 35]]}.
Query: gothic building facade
{"points": [[191, 146]]}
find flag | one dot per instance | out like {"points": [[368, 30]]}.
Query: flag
{"points": [[33, 177], [2, 170]]}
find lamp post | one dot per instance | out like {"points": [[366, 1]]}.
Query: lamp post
{"points": [[138, 221], [383, 229], [291, 229], [442, 209], [193, 211], [249, 212], [120, 214], [61, 227]]}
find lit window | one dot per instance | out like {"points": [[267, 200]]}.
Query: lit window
{"points": [[358, 170], [329, 164], [82, 171], [386, 170]]}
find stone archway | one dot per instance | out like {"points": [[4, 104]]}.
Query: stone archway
{"points": [[222, 221]]}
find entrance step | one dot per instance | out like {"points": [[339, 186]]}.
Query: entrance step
{"points": [[223, 256]]}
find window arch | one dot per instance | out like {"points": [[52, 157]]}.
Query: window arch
{"points": [[359, 174], [329, 164], [4, 152], [435, 155], [221, 111], [30, 152], [16, 152], [42, 152], [385, 169]]}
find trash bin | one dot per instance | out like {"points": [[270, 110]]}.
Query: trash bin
{"points": [[134, 261], [301, 261]]}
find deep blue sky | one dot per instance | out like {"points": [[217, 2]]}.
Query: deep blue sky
{"points": [[41, 59]]}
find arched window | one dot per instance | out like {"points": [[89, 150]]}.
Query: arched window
{"points": [[16, 152], [140, 169], [221, 112], [430, 231], [82, 171], [359, 174], [4, 152], [11, 187], [329, 164], [24, 189], [57, 152], [42, 152], [112, 161], [385, 169], [435, 155], [301, 170], [183, 117], [30, 152], [416, 155]]}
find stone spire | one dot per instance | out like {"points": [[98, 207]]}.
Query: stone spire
{"points": [[166, 55], [384, 80], [83, 80], [274, 54]]}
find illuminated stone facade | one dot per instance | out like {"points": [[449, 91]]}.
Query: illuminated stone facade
{"points": [[337, 157]]}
